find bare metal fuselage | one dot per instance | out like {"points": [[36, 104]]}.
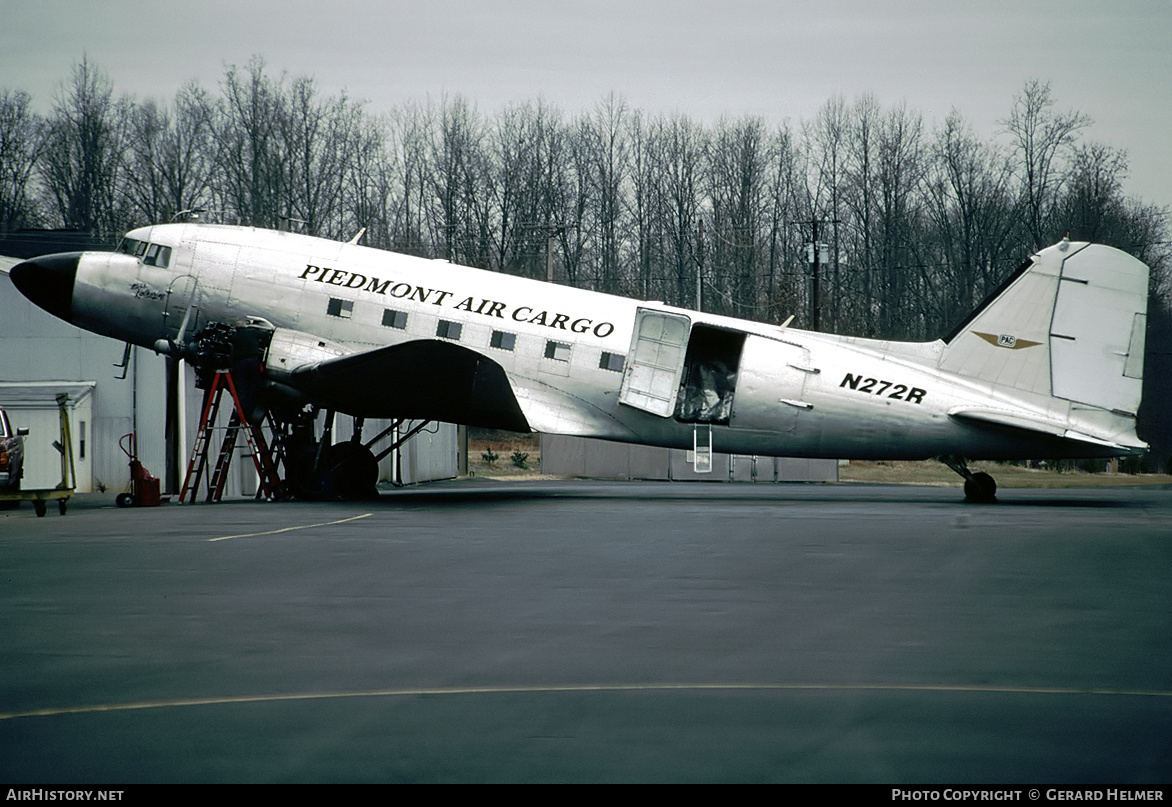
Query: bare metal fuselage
{"points": [[590, 364]]}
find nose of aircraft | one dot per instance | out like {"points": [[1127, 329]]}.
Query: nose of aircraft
{"points": [[48, 282]]}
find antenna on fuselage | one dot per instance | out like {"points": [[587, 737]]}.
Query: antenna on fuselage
{"points": [[191, 214]]}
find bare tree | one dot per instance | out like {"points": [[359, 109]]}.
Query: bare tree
{"points": [[610, 157], [252, 157], [668, 166], [412, 135], [512, 143], [1093, 202], [459, 208], [737, 170], [171, 155], [82, 161], [969, 205], [318, 136], [885, 170], [22, 137], [786, 186], [920, 229], [1042, 138], [825, 148], [370, 196]]}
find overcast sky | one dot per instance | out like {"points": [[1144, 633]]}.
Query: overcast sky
{"points": [[780, 59]]}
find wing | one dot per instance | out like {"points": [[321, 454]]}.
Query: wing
{"points": [[424, 379]]}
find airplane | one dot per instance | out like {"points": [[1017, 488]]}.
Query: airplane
{"points": [[1049, 367]]}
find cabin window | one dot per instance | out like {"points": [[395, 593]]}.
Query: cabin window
{"points": [[394, 319], [558, 351], [157, 255], [340, 308], [503, 340], [612, 361], [449, 330]]}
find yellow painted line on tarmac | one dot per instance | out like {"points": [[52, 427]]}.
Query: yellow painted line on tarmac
{"points": [[581, 688], [291, 529]]}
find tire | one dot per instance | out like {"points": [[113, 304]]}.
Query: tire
{"points": [[981, 488], [351, 472]]}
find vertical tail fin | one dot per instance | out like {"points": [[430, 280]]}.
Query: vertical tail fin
{"points": [[1068, 325]]}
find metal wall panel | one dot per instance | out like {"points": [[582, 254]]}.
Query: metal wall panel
{"points": [[601, 459]]}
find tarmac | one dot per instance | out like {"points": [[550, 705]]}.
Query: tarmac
{"points": [[583, 631]]}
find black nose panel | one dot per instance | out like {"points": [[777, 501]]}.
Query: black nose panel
{"points": [[48, 282]]}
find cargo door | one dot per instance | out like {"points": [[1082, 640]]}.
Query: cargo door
{"points": [[651, 381]]}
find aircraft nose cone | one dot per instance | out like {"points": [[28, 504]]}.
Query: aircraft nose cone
{"points": [[48, 282]]}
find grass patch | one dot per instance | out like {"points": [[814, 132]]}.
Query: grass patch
{"points": [[503, 455], [931, 472]]}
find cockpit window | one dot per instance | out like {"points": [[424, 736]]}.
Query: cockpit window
{"points": [[157, 255], [132, 246], [150, 254]]}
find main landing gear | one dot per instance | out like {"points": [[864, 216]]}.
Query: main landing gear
{"points": [[279, 427], [320, 469], [978, 487]]}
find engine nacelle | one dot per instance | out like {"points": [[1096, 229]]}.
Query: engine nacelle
{"points": [[290, 349]]}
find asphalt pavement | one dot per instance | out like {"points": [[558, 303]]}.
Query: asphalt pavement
{"points": [[554, 631]]}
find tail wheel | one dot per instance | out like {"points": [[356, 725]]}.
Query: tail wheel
{"points": [[980, 488]]}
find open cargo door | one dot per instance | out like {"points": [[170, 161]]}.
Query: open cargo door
{"points": [[651, 381]]}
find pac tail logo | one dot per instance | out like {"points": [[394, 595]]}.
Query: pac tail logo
{"points": [[1006, 340]]}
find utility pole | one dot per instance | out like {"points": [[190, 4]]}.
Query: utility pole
{"points": [[816, 319], [550, 236], [700, 266], [817, 252], [552, 231]]}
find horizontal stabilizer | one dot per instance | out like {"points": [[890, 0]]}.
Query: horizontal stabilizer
{"points": [[1042, 425]]}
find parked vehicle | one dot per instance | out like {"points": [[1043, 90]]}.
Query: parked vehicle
{"points": [[12, 466], [11, 455]]}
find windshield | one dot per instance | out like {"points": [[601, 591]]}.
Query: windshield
{"points": [[131, 246], [150, 254]]}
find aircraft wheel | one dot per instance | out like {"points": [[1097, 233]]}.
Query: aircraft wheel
{"points": [[351, 472], [980, 488], [124, 500]]}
